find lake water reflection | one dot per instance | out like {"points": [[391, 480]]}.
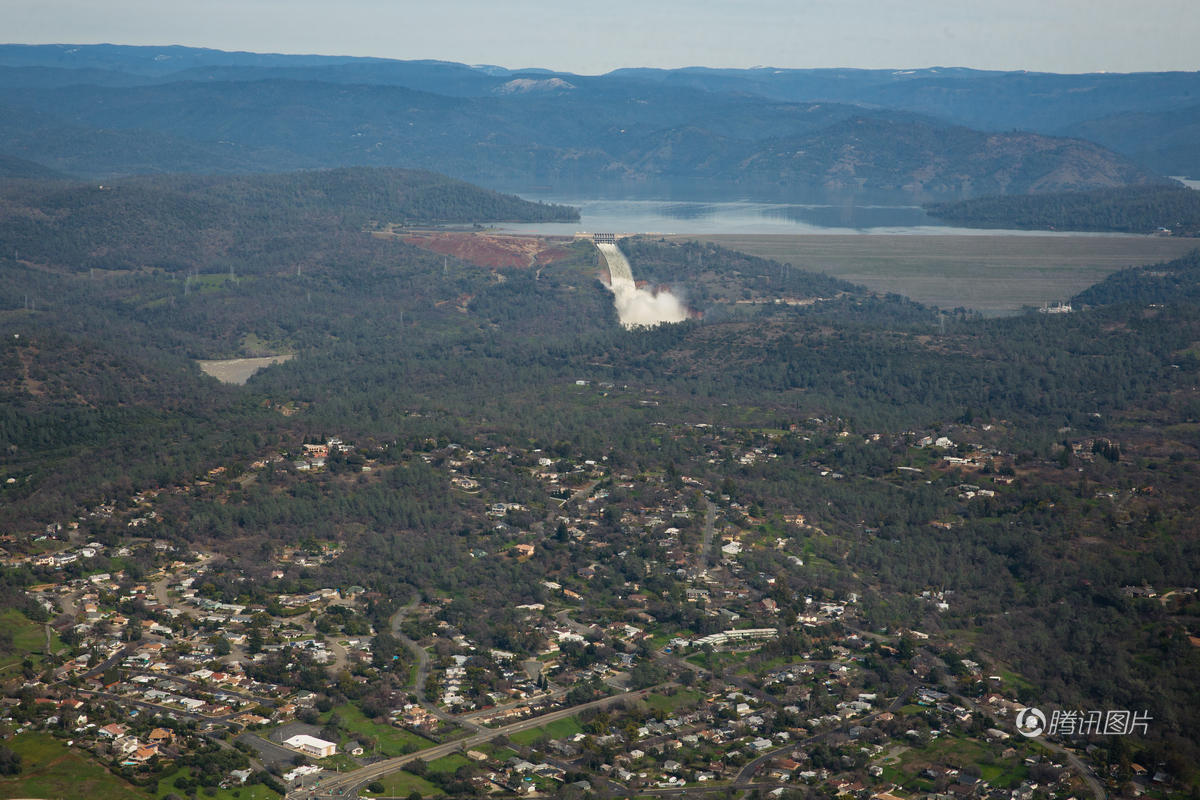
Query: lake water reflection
{"points": [[693, 217]]}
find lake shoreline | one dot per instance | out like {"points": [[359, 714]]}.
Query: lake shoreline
{"points": [[683, 218]]}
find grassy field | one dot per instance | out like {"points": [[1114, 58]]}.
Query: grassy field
{"points": [[402, 784], [499, 753], [959, 751], [167, 786], [719, 660], [392, 741], [28, 638], [671, 703], [558, 729], [993, 274], [447, 764], [51, 769]]}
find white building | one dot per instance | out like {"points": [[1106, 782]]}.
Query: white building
{"points": [[311, 745]]}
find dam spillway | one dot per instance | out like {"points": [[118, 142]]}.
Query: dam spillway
{"points": [[636, 308], [618, 266]]}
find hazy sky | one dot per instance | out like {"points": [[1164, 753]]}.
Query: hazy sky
{"points": [[1044, 35]]}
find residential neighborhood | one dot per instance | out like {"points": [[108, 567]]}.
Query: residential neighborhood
{"points": [[662, 654]]}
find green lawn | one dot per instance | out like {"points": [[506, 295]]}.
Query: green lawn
{"points": [[495, 751], [1005, 774], [720, 660], [402, 784], [28, 637], [659, 640], [392, 741], [961, 751], [672, 703], [51, 769], [448, 763], [503, 754], [338, 763], [255, 792], [1014, 680], [558, 729]]}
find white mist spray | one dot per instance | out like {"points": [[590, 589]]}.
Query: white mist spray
{"points": [[636, 307]]}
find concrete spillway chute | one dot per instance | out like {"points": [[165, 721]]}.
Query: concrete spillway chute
{"points": [[636, 307]]}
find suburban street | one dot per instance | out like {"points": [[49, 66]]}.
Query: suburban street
{"points": [[347, 785]]}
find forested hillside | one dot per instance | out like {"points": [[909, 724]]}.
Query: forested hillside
{"points": [[1176, 281], [1162, 139], [1173, 210], [246, 225]]}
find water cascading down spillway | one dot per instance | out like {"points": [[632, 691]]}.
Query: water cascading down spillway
{"points": [[637, 307]]}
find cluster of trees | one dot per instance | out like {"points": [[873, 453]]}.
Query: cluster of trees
{"points": [[10, 761], [241, 225], [716, 275], [1128, 209], [1172, 282]]}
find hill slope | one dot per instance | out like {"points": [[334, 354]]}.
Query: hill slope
{"points": [[1123, 210], [1175, 281], [252, 223]]}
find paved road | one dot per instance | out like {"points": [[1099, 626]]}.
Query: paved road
{"points": [[160, 591], [423, 669], [744, 686], [1081, 768], [102, 667], [576, 496], [348, 785], [710, 519], [745, 775], [1077, 764], [488, 712]]}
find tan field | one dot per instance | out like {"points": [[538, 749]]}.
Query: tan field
{"points": [[238, 370], [995, 275]]}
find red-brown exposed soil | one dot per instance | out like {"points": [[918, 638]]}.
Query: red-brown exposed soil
{"points": [[491, 250]]}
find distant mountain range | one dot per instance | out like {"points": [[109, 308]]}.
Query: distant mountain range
{"points": [[105, 110]]}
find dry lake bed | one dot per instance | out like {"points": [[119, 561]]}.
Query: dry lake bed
{"points": [[993, 274]]}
